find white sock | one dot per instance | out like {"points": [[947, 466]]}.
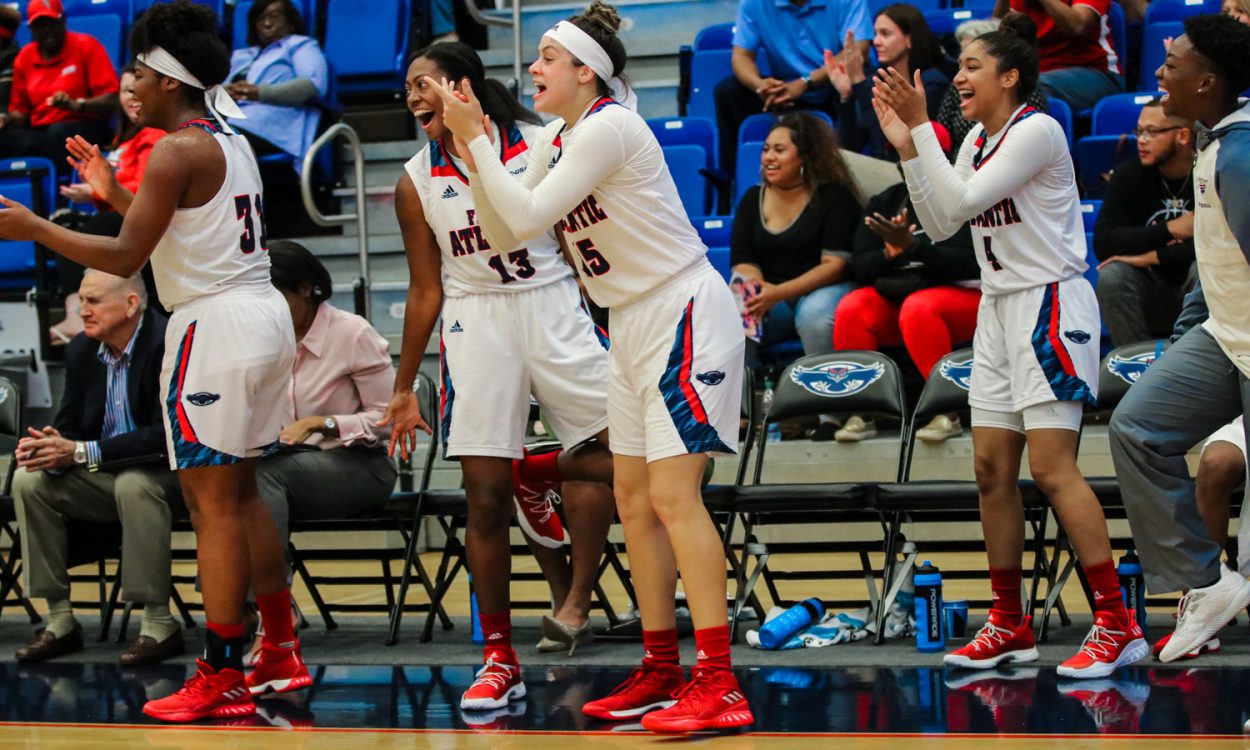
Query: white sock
{"points": [[61, 620], [158, 623]]}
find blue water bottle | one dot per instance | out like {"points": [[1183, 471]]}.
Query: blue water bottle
{"points": [[928, 584], [1133, 586], [477, 636], [778, 630]]}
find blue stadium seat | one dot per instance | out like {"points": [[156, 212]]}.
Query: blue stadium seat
{"points": [[1152, 51], [1096, 155], [684, 162], [714, 230], [943, 22], [218, 6], [686, 131], [1091, 260], [96, 7], [379, 63], [748, 167], [31, 182], [107, 28], [1119, 33], [756, 127], [238, 36], [719, 258], [1059, 109], [1118, 114], [1161, 11], [875, 6], [716, 36], [707, 69], [1089, 213]]}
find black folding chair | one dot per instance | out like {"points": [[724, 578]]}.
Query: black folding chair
{"points": [[12, 427]]}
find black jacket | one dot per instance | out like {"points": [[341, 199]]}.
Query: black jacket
{"points": [[86, 383], [945, 262]]}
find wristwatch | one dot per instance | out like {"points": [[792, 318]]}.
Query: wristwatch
{"points": [[807, 81], [330, 425], [80, 453], [80, 104]]}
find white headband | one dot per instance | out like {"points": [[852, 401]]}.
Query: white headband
{"points": [[216, 99], [584, 47]]}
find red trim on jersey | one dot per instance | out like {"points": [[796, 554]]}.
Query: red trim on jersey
{"points": [[1052, 333], [448, 168], [509, 151], [184, 423], [687, 366], [978, 160], [201, 122]]}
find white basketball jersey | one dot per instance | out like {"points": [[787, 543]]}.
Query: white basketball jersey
{"points": [[470, 264], [631, 234], [1034, 235], [220, 245]]}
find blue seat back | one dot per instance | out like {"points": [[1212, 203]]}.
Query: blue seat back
{"points": [[218, 6], [1091, 261], [686, 131], [372, 44], [1118, 114], [943, 22], [238, 26], [719, 258], [1153, 52], [1089, 213], [716, 36], [1059, 109], [1095, 156], [107, 29], [875, 6], [31, 182], [1162, 11], [715, 231], [122, 8], [757, 127], [707, 69], [1119, 33], [684, 163], [748, 167]]}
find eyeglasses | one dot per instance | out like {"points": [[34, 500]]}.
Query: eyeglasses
{"points": [[1145, 134]]}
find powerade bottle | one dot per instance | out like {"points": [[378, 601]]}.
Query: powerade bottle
{"points": [[774, 428], [477, 636], [778, 630], [1133, 586], [928, 583]]}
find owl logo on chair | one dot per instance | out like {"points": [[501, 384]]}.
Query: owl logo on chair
{"points": [[959, 373], [1129, 369], [837, 379]]}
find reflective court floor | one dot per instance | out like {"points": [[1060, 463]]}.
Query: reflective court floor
{"points": [[98, 706]]}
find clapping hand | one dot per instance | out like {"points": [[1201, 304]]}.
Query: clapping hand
{"points": [[91, 166], [907, 100]]}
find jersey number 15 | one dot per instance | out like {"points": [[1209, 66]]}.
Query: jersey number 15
{"points": [[243, 209]]}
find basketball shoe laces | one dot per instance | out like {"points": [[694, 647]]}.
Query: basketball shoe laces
{"points": [[198, 685], [1100, 643], [700, 683], [497, 680], [989, 635], [540, 504]]}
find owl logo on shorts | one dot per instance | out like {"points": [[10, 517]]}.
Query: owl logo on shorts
{"points": [[1130, 369], [959, 373], [837, 379]]}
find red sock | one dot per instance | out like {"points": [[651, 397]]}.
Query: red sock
{"points": [[275, 614], [497, 630], [226, 632], [1105, 585], [660, 647], [1005, 583], [713, 646], [223, 647], [541, 467]]}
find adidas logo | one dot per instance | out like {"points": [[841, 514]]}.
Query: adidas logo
{"points": [[494, 636], [455, 327], [516, 172], [450, 192], [700, 655], [733, 696], [236, 693]]}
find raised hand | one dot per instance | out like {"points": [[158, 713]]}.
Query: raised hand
{"points": [[906, 100], [462, 112], [836, 69], [896, 131], [91, 165], [853, 58]]}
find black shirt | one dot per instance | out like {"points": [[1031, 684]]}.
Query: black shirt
{"points": [[1136, 208], [945, 262], [825, 225]]}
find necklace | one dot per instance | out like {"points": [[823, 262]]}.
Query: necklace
{"points": [[1174, 200]]}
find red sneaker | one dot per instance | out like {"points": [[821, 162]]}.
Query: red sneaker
{"points": [[1116, 707], [497, 684], [997, 641], [1008, 693], [647, 688], [536, 509], [1210, 647], [278, 671], [712, 700], [1109, 646], [207, 695]]}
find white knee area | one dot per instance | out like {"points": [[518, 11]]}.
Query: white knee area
{"points": [[1054, 415]]}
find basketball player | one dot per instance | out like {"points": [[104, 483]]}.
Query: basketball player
{"points": [[230, 345], [1036, 342], [676, 356], [513, 324]]}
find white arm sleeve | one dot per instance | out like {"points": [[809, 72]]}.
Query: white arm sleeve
{"points": [[498, 235], [596, 153], [946, 196]]}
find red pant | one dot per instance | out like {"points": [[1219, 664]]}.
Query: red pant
{"points": [[928, 323]]}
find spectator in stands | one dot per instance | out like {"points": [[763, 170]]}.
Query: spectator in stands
{"points": [[791, 35], [1080, 63], [64, 85], [333, 462], [1145, 231], [1238, 9], [917, 293], [122, 165], [794, 232], [902, 40], [10, 19], [110, 414], [276, 79], [950, 115]]}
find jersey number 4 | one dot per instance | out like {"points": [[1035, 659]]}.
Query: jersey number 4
{"points": [[989, 256], [243, 209]]}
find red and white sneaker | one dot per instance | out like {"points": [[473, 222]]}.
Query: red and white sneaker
{"points": [[1008, 693], [712, 700], [1110, 645], [1210, 647], [1115, 706], [648, 688], [497, 684], [997, 642], [536, 509], [207, 695], [278, 670]]}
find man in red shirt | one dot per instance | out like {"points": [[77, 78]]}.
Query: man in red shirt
{"points": [[1080, 63], [64, 85]]}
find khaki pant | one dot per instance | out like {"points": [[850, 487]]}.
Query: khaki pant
{"points": [[143, 499]]}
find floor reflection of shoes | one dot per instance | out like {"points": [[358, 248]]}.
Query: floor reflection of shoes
{"points": [[1200, 694], [286, 714], [1116, 706], [1009, 694], [511, 716]]}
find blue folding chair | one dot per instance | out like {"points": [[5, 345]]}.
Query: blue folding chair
{"points": [[1118, 114], [707, 69], [1153, 52], [748, 167], [1163, 11], [686, 131], [1059, 109], [716, 36], [757, 127], [684, 163]]}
